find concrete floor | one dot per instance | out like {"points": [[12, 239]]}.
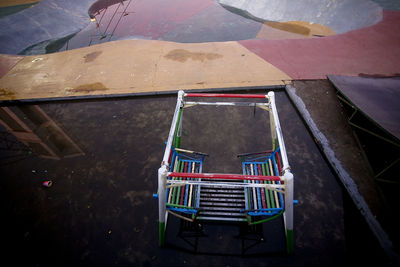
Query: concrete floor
{"points": [[100, 209]]}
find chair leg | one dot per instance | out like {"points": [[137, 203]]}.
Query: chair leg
{"points": [[288, 215], [162, 180]]}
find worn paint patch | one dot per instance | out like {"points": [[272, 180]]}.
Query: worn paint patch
{"points": [[91, 56], [315, 28], [183, 55], [284, 26], [87, 88]]}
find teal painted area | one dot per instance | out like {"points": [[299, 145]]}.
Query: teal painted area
{"points": [[6, 11]]}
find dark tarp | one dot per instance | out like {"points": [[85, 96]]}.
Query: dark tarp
{"points": [[377, 98]]}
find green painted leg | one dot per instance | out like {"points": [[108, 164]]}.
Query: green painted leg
{"points": [[161, 233], [289, 241]]}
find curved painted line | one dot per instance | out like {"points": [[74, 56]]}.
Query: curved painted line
{"points": [[341, 16]]}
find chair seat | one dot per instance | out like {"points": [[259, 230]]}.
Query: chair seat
{"points": [[262, 201], [186, 198]]}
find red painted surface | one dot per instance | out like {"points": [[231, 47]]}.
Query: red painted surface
{"points": [[224, 176], [279, 162], [224, 95], [371, 50], [148, 18]]}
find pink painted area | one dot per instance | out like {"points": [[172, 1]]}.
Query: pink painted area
{"points": [[373, 50], [7, 62], [148, 18]]}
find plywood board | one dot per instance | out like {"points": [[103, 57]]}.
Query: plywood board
{"points": [[6, 3], [137, 66]]}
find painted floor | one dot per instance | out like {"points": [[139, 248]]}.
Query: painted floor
{"points": [[279, 52]]}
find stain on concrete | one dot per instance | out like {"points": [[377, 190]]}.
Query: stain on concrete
{"points": [[88, 88], [5, 94], [137, 197], [183, 55], [92, 56]]}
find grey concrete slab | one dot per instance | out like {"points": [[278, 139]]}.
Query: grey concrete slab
{"points": [[348, 181]]}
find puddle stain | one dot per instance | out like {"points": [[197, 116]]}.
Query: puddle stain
{"points": [[86, 88], [137, 197], [91, 56], [183, 55], [302, 28]]}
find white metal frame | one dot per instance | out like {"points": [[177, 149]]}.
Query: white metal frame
{"points": [[286, 177]]}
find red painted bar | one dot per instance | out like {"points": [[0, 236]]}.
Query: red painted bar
{"points": [[224, 95], [183, 188], [279, 162], [262, 190], [170, 156], [224, 176]]}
